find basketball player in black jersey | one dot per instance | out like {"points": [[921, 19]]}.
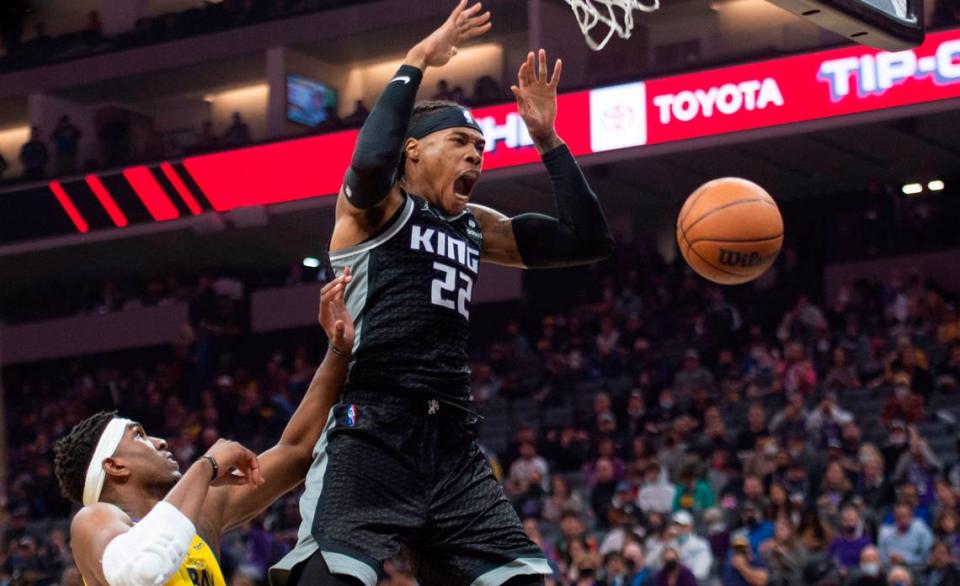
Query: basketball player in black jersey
{"points": [[400, 464]]}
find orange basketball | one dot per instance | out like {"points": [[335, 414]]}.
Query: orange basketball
{"points": [[730, 230]]}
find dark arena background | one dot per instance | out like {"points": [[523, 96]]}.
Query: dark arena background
{"points": [[168, 174]]}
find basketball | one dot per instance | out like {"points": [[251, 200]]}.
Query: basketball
{"points": [[730, 230]]}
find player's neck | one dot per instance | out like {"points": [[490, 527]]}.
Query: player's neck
{"points": [[420, 188], [135, 502]]}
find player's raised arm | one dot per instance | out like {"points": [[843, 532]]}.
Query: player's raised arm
{"points": [[285, 465], [372, 173], [579, 233]]}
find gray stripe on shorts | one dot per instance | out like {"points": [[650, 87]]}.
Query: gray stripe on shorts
{"points": [[518, 567], [343, 564]]}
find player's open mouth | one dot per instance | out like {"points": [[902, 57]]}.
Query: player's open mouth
{"points": [[464, 184]]}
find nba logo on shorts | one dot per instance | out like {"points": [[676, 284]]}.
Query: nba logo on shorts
{"points": [[351, 415]]}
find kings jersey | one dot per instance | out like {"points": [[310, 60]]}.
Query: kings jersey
{"points": [[410, 301]]}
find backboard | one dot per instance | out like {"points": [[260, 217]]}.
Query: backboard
{"points": [[885, 24]]}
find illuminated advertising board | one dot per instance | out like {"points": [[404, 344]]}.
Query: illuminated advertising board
{"points": [[775, 92]]}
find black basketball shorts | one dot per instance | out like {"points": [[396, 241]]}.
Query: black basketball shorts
{"points": [[408, 471]]}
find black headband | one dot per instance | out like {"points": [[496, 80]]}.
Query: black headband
{"points": [[442, 119]]}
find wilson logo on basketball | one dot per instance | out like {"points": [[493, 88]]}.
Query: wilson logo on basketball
{"points": [[733, 258]]}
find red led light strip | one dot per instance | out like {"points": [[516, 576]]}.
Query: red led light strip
{"points": [[151, 194], [68, 207], [106, 200], [181, 188]]}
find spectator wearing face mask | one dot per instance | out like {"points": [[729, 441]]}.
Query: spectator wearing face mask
{"points": [[665, 412], [674, 573], [846, 548], [718, 536], [638, 572], [870, 570], [694, 550]]}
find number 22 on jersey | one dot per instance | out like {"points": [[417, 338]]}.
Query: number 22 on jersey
{"points": [[452, 289]]}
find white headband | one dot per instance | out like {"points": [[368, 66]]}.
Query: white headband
{"points": [[106, 446]]}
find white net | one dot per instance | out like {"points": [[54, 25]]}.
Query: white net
{"points": [[616, 15]]}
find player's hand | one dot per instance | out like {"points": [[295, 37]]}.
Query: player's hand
{"points": [[537, 95], [462, 25], [237, 464], [334, 317]]}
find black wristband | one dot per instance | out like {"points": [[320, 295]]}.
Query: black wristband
{"points": [[215, 466]]}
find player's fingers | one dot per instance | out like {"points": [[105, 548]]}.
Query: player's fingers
{"points": [[478, 31], [473, 10], [555, 78], [249, 467], [516, 92], [329, 285], [458, 10], [525, 74], [257, 471], [465, 15], [542, 57], [477, 21], [235, 478], [328, 295]]}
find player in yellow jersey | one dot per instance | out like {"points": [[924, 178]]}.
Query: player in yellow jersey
{"points": [[144, 523]]}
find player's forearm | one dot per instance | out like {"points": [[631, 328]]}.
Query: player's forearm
{"points": [[379, 146], [308, 421], [579, 234], [189, 492]]}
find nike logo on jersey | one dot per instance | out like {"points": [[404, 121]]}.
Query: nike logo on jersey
{"points": [[404, 78]]}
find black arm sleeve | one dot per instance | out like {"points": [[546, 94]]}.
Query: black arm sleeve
{"points": [[578, 235], [373, 169]]}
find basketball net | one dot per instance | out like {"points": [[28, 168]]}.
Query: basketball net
{"points": [[590, 13]]}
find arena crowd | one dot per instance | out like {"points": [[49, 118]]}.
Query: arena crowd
{"points": [[747, 436]]}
